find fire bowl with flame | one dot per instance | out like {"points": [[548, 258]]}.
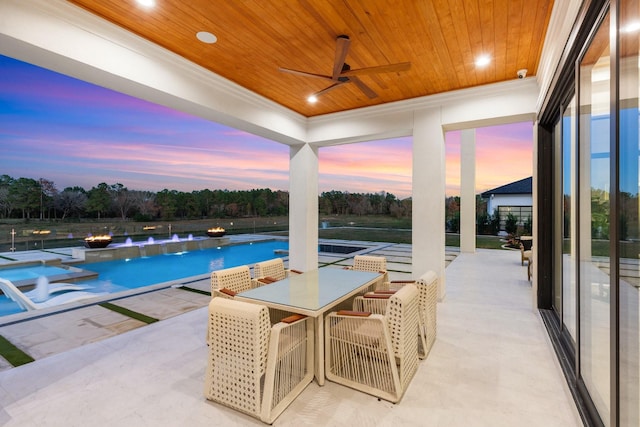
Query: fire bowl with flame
{"points": [[216, 232], [94, 242]]}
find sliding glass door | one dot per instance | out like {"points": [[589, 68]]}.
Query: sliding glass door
{"points": [[594, 220], [629, 234]]}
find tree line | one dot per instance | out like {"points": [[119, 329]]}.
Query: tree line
{"points": [[29, 198]]}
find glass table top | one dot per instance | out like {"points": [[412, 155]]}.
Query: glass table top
{"points": [[312, 290]]}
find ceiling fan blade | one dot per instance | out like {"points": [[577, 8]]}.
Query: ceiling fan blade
{"points": [[342, 47], [363, 87], [304, 73], [391, 68], [325, 90]]}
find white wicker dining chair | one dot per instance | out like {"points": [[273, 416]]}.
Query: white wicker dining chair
{"points": [[427, 285], [253, 367], [229, 281], [374, 353], [371, 263], [374, 302], [272, 269], [376, 264], [226, 283]]}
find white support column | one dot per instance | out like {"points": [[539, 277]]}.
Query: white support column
{"points": [[468, 191], [303, 207], [428, 232]]}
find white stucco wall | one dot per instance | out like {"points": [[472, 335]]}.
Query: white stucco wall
{"points": [[508, 200]]}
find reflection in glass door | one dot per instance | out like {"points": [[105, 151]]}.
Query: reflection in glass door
{"points": [[569, 219], [594, 220], [629, 237]]}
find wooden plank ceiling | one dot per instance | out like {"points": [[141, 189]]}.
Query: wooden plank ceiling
{"points": [[440, 38]]}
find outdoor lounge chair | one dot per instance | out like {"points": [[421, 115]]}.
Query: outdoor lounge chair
{"points": [[26, 303], [44, 289], [254, 367], [272, 270], [374, 353]]}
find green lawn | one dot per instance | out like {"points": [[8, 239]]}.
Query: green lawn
{"points": [[350, 227]]}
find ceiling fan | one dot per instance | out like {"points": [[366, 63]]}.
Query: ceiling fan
{"points": [[342, 72]]}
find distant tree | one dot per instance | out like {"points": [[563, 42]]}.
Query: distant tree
{"points": [[99, 200], [121, 199], [6, 202], [511, 224], [282, 203], [389, 200], [25, 195], [600, 214], [70, 201], [187, 205], [47, 192], [144, 203], [205, 199], [166, 202], [494, 221], [482, 223], [401, 209], [453, 223], [481, 205], [452, 213]]}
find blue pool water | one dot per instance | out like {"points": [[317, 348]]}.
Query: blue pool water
{"points": [[122, 275], [138, 272], [31, 272]]}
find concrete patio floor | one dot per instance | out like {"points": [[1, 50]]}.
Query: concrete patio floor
{"points": [[492, 363]]}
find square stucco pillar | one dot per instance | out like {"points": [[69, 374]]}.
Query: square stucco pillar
{"points": [[468, 191], [303, 207], [428, 194]]}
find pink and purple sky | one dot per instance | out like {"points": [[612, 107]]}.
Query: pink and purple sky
{"points": [[77, 134]]}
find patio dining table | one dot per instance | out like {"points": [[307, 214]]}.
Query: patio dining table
{"points": [[313, 294]]}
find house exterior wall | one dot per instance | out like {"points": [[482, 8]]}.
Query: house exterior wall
{"points": [[508, 200]]}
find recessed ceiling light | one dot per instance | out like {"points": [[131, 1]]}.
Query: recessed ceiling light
{"points": [[147, 3], [312, 99], [483, 60], [206, 37]]}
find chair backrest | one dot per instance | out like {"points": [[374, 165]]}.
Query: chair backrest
{"points": [[270, 268], [403, 322], [369, 263], [236, 279], [238, 347], [428, 288]]}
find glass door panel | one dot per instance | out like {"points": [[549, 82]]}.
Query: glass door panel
{"points": [[594, 220], [629, 239], [569, 292]]}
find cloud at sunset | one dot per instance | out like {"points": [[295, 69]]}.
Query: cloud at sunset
{"points": [[504, 154], [78, 134], [367, 167]]}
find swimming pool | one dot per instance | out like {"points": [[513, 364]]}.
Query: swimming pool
{"points": [[123, 275], [33, 272]]}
